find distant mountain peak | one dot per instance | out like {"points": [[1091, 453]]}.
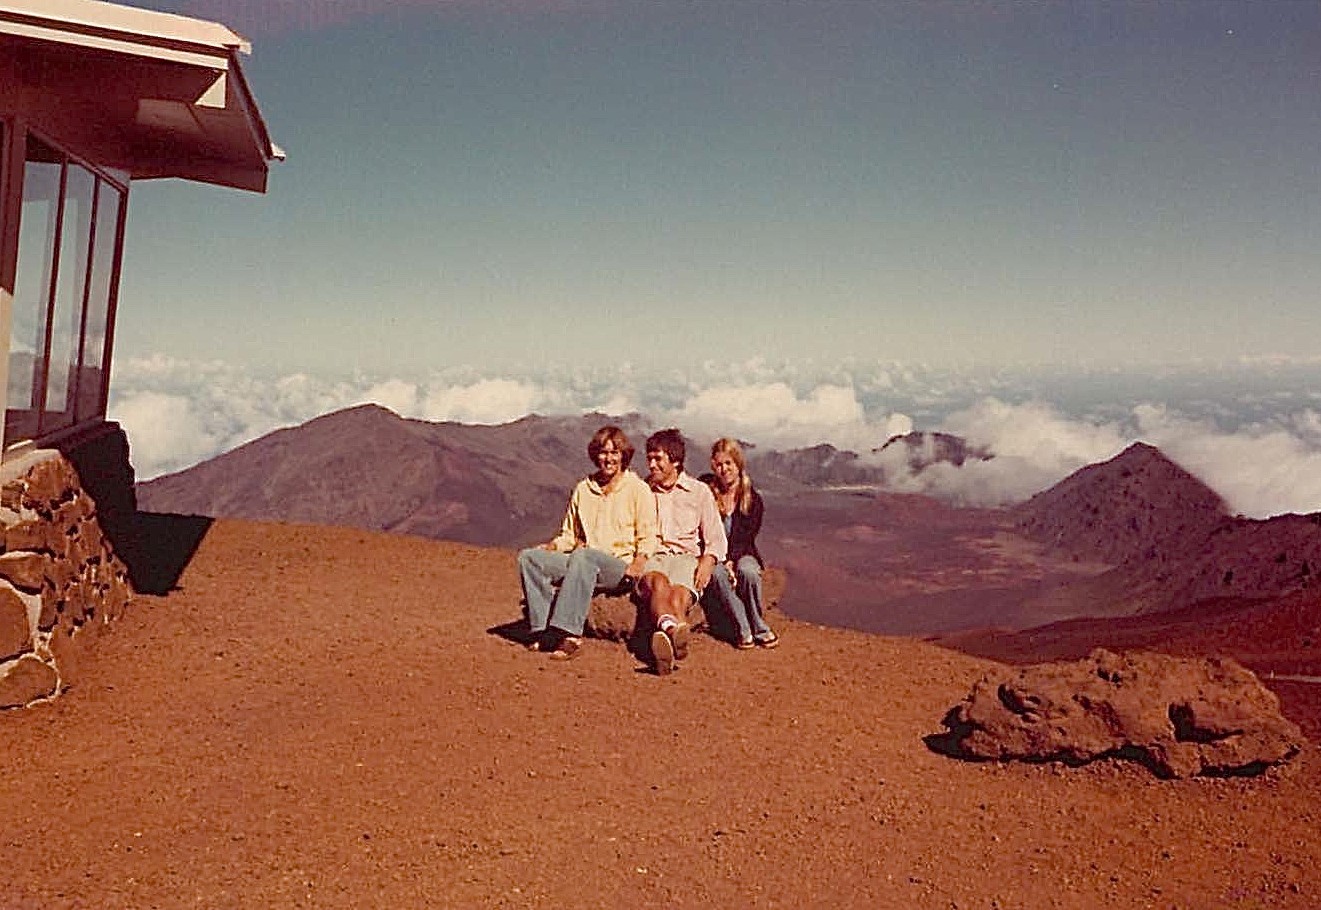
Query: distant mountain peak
{"points": [[1138, 504]]}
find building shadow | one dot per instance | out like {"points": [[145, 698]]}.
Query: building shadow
{"points": [[157, 547]]}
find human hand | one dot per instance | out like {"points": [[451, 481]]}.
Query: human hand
{"points": [[702, 577], [634, 569]]}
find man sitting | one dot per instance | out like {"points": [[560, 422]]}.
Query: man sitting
{"points": [[692, 542], [608, 533]]}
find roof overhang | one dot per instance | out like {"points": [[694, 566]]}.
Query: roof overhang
{"points": [[148, 93]]}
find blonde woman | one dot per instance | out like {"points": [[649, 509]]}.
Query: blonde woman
{"points": [[737, 582]]}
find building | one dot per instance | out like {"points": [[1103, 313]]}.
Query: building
{"points": [[93, 96]]}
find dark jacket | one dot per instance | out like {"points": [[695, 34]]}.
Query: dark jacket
{"points": [[744, 528], [743, 531]]}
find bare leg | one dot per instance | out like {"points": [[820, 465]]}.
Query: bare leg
{"points": [[664, 599], [655, 590]]}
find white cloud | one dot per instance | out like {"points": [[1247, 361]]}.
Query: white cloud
{"points": [[1035, 432], [487, 401], [1255, 438], [1260, 471], [165, 432], [774, 415], [1034, 447], [396, 394], [617, 405]]}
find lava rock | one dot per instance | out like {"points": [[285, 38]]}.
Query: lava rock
{"points": [[1180, 717]]}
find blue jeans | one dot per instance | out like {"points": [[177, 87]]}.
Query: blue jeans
{"points": [[578, 574], [742, 599]]}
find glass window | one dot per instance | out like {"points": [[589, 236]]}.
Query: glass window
{"points": [[32, 285], [70, 226], [70, 284], [91, 376]]}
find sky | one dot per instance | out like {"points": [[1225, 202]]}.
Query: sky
{"points": [[811, 220]]}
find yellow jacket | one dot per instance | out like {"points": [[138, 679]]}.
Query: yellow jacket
{"points": [[621, 522]]}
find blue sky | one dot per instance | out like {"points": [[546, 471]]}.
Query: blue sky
{"points": [[991, 183], [1091, 222]]}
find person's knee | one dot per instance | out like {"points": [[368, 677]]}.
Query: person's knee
{"points": [[652, 584], [748, 570]]}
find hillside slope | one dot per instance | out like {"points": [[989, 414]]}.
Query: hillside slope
{"points": [[368, 467], [321, 717]]}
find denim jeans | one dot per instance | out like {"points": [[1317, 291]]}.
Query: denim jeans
{"points": [[742, 599], [578, 574]]}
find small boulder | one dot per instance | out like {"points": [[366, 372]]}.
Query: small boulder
{"points": [[26, 680], [618, 617], [1178, 716]]}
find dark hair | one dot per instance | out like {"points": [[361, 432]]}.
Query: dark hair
{"points": [[668, 441], [611, 434]]}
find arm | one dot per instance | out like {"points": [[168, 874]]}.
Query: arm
{"points": [[646, 525], [755, 512], [743, 533], [570, 531], [715, 547], [706, 565]]}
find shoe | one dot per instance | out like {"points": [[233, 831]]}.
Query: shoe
{"points": [[662, 650], [568, 649], [768, 641], [679, 637], [745, 644], [534, 643]]}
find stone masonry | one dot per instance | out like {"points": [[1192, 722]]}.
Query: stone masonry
{"points": [[60, 580]]}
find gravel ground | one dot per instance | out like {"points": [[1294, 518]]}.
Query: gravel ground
{"points": [[323, 717]]}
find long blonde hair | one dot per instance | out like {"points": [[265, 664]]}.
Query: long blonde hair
{"points": [[742, 486]]}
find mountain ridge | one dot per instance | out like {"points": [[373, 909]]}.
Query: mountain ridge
{"points": [[1136, 533]]}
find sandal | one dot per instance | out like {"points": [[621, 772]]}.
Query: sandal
{"points": [[568, 649], [769, 641], [745, 644]]}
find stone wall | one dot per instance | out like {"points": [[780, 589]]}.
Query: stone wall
{"points": [[60, 579]]}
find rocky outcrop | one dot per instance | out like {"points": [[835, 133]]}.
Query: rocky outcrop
{"points": [[1178, 716], [922, 450], [819, 466], [60, 579]]}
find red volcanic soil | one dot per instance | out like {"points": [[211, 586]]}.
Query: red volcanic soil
{"points": [[322, 717], [906, 564]]}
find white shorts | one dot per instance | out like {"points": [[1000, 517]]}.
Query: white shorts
{"points": [[679, 568]]}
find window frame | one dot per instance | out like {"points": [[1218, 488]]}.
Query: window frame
{"points": [[50, 425]]}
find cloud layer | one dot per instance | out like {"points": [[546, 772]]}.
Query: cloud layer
{"points": [[1250, 434]]}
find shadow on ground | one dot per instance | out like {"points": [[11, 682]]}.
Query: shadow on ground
{"points": [[157, 547]]}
